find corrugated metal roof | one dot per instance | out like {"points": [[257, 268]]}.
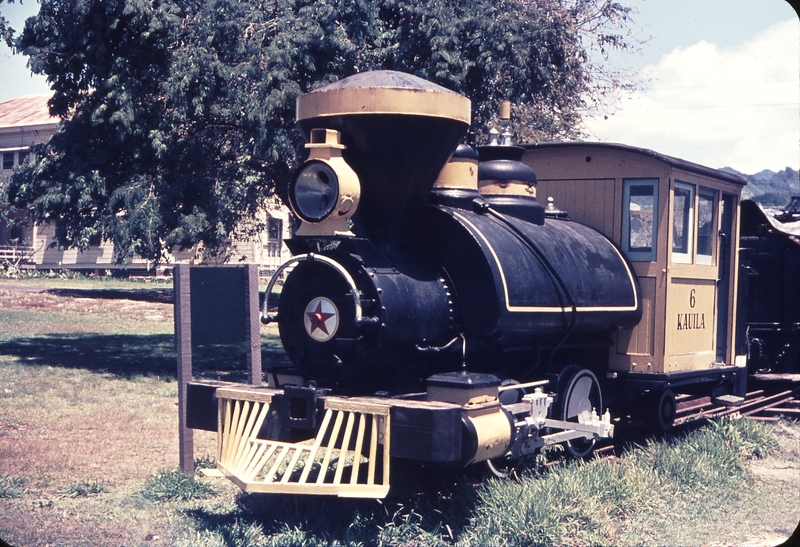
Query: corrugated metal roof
{"points": [[25, 111]]}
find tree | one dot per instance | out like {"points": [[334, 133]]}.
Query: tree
{"points": [[178, 115], [99, 174], [6, 32]]}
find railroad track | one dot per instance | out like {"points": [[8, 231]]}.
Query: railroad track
{"points": [[757, 404]]}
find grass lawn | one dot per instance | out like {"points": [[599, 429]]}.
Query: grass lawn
{"points": [[89, 450]]}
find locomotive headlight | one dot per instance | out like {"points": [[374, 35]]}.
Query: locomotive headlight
{"points": [[325, 190], [315, 191]]}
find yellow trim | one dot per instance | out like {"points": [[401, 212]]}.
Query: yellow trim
{"points": [[491, 187], [458, 173], [553, 309], [383, 100]]}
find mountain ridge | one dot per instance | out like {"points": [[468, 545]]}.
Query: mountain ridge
{"points": [[770, 188]]}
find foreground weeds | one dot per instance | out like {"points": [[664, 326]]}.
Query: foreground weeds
{"points": [[171, 485], [591, 503], [11, 487], [421, 519], [602, 502]]}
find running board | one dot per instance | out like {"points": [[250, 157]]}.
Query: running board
{"points": [[348, 458], [728, 400]]}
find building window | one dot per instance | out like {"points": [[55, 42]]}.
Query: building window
{"points": [[16, 233], [23, 157], [8, 160], [639, 224], [273, 250], [705, 226], [274, 229], [60, 230], [682, 223]]}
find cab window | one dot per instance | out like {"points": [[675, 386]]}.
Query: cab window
{"points": [[682, 223], [705, 226], [639, 226]]}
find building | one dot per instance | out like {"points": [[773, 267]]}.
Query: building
{"points": [[25, 122]]}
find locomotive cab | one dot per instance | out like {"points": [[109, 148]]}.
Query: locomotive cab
{"points": [[677, 223]]}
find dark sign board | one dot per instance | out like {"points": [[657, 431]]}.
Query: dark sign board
{"points": [[218, 301]]}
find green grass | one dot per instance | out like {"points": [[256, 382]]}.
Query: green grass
{"points": [[205, 461], [237, 534], [11, 487], [590, 503], [52, 278], [711, 456], [124, 345], [175, 485], [311, 521], [83, 489]]}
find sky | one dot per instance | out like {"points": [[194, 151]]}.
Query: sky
{"points": [[15, 78], [719, 82]]}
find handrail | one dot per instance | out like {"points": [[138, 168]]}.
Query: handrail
{"points": [[311, 257]]}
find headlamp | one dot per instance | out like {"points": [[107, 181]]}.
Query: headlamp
{"points": [[315, 191], [325, 190]]}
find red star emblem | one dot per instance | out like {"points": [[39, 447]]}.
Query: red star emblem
{"points": [[318, 318]]}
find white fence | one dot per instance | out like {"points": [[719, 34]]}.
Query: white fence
{"points": [[16, 254]]}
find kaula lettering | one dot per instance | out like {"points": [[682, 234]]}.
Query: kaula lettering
{"points": [[691, 321]]}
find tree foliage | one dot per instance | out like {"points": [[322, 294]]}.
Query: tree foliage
{"points": [[179, 114], [6, 32]]}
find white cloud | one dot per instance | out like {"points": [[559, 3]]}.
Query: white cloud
{"points": [[737, 107]]}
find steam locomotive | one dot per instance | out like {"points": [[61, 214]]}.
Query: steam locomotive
{"points": [[434, 310], [389, 286]]}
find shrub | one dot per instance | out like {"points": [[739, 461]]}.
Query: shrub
{"points": [[11, 487], [172, 485], [83, 489], [237, 534]]}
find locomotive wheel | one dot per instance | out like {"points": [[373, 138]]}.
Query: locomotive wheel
{"points": [[580, 396], [662, 408]]}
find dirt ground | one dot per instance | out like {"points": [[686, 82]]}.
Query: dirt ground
{"points": [[63, 426], [750, 525], [151, 304]]}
